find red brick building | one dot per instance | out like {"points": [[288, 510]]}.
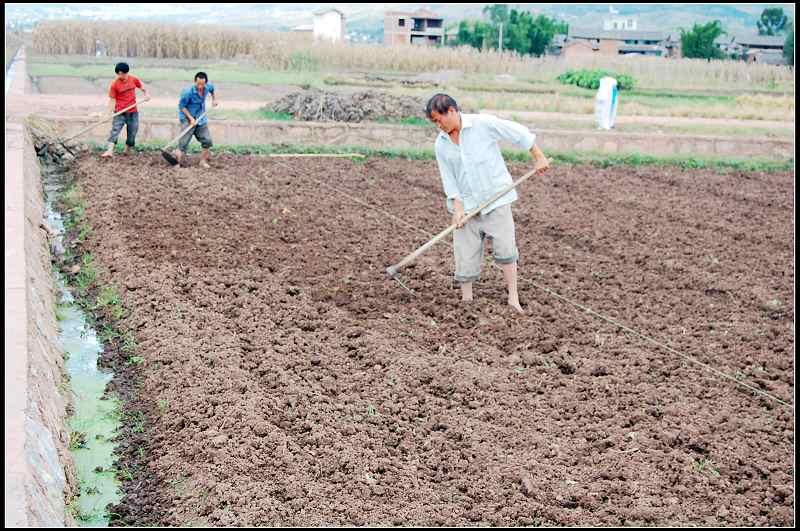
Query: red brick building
{"points": [[420, 27]]}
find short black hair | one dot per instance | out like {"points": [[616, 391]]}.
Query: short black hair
{"points": [[201, 75], [122, 67], [440, 103]]}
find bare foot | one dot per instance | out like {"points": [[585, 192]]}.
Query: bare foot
{"points": [[517, 308], [107, 154], [204, 164], [126, 151]]}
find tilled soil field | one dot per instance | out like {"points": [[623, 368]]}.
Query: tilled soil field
{"points": [[286, 382]]}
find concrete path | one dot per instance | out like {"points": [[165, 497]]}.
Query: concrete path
{"points": [[16, 333], [36, 457]]}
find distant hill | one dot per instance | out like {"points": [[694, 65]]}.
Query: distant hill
{"points": [[365, 21]]}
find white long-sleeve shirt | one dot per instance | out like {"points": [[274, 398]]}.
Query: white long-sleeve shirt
{"points": [[474, 170]]}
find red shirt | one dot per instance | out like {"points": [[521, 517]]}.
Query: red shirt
{"points": [[124, 92]]}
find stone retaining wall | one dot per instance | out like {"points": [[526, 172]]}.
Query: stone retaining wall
{"points": [[40, 471]]}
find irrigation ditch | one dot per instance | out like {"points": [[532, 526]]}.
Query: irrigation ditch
{"points": [[99, 356]]}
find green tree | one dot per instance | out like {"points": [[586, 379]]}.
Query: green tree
{"points": [[474, 34], [541, 34], [773, 21], [464, 33], [522, 32], [497, 13], [483, 34], [699, 43], [498, 16], [788, 46], [516, 37]]}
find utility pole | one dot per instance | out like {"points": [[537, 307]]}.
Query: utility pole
{"points": [[501, 37]]}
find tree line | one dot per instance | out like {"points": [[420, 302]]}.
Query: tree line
{"points": [[527, 34]]}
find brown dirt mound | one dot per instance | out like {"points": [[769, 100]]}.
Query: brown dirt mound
{"points": [[322, 106]]}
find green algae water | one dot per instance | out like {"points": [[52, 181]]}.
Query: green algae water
{"points": [[96, 418]]}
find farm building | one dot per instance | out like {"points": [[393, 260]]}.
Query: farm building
{"points": [[728, 45], [420, 27], [329, 25], [754, 48], [760, 42], [767, 57], [577, 48], [616, 42]]}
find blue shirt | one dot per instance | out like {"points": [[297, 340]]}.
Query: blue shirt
{"points": [[193, 101], [474, 170]]}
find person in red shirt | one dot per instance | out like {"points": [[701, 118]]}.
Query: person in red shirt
{"points": [[122, 94]]}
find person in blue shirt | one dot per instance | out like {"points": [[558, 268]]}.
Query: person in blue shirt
{"points": [[191, 105], [472, 171]]}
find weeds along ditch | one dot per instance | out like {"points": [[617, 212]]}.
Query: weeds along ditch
{"points": [[269, 374], [99, 353]]}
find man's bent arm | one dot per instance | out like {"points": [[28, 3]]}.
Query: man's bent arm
{"points": [[512, 131], [185, 111]]}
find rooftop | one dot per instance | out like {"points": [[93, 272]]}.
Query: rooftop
{"points": [[327, 10], [420, 13], [623, 35], [760, 40], [587, 43]]}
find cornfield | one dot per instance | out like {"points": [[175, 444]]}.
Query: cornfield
{"points": [[294, 51], [648, 72], [142, 40]]}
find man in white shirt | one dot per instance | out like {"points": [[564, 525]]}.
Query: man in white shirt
{"points": [[473, 170]]}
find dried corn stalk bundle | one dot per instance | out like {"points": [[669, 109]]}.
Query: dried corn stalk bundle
{"points": [[322, 106]]}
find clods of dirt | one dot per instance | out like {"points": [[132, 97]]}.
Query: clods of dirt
{"points": [[287, 382]]}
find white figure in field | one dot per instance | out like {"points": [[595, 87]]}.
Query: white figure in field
{"points": [[605, 105]]}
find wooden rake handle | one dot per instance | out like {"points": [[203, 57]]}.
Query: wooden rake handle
{"points": [[103, 120], [393, 270], [185, 131]]}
